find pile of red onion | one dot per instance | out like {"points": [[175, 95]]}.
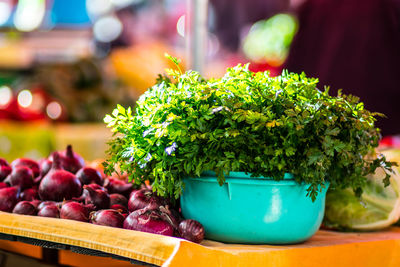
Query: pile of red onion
{"points": [[61, 186]]}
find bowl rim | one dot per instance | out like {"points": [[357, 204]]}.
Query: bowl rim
{"points": [[244, 175], [246, 179]]}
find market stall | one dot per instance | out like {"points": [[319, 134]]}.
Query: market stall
{"points": [[135, 133]]}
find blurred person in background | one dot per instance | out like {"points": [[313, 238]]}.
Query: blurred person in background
{"points": [[353, 45]]}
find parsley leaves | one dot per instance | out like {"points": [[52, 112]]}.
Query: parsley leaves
{"points": [[248, 122]]}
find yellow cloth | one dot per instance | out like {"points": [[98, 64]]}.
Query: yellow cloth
{"points": [[326, 248]]}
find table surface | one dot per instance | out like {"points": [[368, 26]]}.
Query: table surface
{"points": [[326, 248]]}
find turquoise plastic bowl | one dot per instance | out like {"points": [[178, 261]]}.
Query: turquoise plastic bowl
{"points": [[253, 210]]}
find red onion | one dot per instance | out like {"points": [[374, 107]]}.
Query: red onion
{"points": [[98, 197], [120, 208], [59, 184], [31, 164], [176, 215], [7, 180], [85, 193], [89, 175], [4, 171], [3, 185], [141, 198], [46, 203], [45, 166], [71, 161], [191, 230], [21, 176], [118, 186], [3, 162], [165, 213], [107, 217], [51, 211], [146, 220], [8, 198], [75, 211], [37, 180], [36, 203], [82, 198], [118, 199], [29, 194], [96, 187], [25, 208], [170, 217], [146, 186]]}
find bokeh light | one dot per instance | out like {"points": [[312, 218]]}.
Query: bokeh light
{"points": [[25, 98], [269, 40], [5, 12], [180, 26], [107, 29], [98, 8], [5, 95], [124, 3], [29, 14], [54, 110]]}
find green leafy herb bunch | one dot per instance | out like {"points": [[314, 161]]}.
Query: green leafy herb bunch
{"points": [[248, 122]]}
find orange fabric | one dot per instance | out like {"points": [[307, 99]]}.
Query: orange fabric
{"points": [[326, 248], [21, 248]]}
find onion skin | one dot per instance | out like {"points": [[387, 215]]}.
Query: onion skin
{"points": [[9, 198], [36, 203], [46, 203], [3, 162], [29, 194], [37, 180], [51, 211], [89, 175], [118, 199], [96, 187], [24, 208], [107, 217], [142, 198], [4, 171], [168, 216], [149, 221], [74, 211], [45, 166], [7, 181], [120, 208], [85, 193], [82, 198], [98, 197], [21, 176], [71, 161], [58, 184], [3, 185], [191, 230], [118, 186], [31, 164]]}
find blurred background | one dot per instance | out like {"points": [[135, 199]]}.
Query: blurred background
{"points": [[64, 64]]}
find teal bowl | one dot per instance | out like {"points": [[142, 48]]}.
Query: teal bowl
{"points": [[253, 210]]}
